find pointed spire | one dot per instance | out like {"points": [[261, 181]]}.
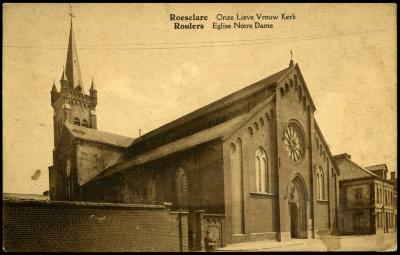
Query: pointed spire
{"points": [[291, 58], [53, 88], [92, 87], [63, 76], [72, 68]]}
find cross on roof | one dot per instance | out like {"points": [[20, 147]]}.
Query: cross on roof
{"points": [[291, 55]]}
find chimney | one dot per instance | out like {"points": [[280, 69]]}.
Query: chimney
{"points": [[393, 176]]}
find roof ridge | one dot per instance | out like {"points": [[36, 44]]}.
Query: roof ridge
{"points": [[376, 165], [97, 130], [253, 112], [99, 136], [199, 112]]}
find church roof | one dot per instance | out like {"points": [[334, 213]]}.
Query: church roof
{"points": [[98, 136], [350, 170], [221, 131], [72, 68], [247, 91]]}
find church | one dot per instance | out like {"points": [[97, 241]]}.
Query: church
{"points": [[255, 160]]}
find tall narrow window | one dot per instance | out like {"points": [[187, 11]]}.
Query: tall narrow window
{"points": [[258, 174], [262, 171], [77, 122], [181, 188], [320, 183]]}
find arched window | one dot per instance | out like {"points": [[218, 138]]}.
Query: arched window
{"points": [[85, 123], [255, 126], [250, 130], [263, 177], [295, 80], [291, 82], [286, 87], [181, 188], [261, 121], [77, 122], [282, 91], [320, 183]]}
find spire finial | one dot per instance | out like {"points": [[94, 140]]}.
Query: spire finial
{"points": [[291, 58], [92, 87], [70, 13]]}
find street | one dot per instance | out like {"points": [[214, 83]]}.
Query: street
{"points": [[383, 242]]}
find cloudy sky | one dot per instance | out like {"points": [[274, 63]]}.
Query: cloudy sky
{"points": [[148, 73]]}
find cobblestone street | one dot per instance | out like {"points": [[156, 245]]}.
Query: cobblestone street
{"points": [[383, 242]]}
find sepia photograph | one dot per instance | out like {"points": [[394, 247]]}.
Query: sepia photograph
{"points": [[207, 127]]}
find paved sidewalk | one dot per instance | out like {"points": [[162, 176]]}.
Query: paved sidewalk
{"points": [[383, 242]]}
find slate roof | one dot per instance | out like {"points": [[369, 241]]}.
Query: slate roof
{"points": [[72, 68], [223, 130], [95, 135], [247, 91], [349, 170]]}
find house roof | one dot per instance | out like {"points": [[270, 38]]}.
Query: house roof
{"points": [[223, 131], [98, 136], [349, 170], [377, 167], [227, 100]]}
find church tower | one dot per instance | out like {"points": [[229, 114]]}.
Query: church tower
{"points": [[72, 103]]}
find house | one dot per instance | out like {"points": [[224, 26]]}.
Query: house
{"points": [[368, 200]]}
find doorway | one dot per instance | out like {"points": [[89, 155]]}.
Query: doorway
{"points": [[358, 222], [297, 208], [294, 224]]}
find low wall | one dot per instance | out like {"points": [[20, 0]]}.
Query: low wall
{"points": [[75, 226]]}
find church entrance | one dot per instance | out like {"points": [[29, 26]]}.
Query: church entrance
{"points": [[297, 209], [294, 224]]}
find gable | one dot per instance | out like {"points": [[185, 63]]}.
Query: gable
{"points": [[293, 79], [92, 158], [295, 102]]}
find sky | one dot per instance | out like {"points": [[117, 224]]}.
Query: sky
{"points": [[147, 73]]}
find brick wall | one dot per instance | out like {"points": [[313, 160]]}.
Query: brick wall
{"points": [[260, 208], [69, 226]]}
